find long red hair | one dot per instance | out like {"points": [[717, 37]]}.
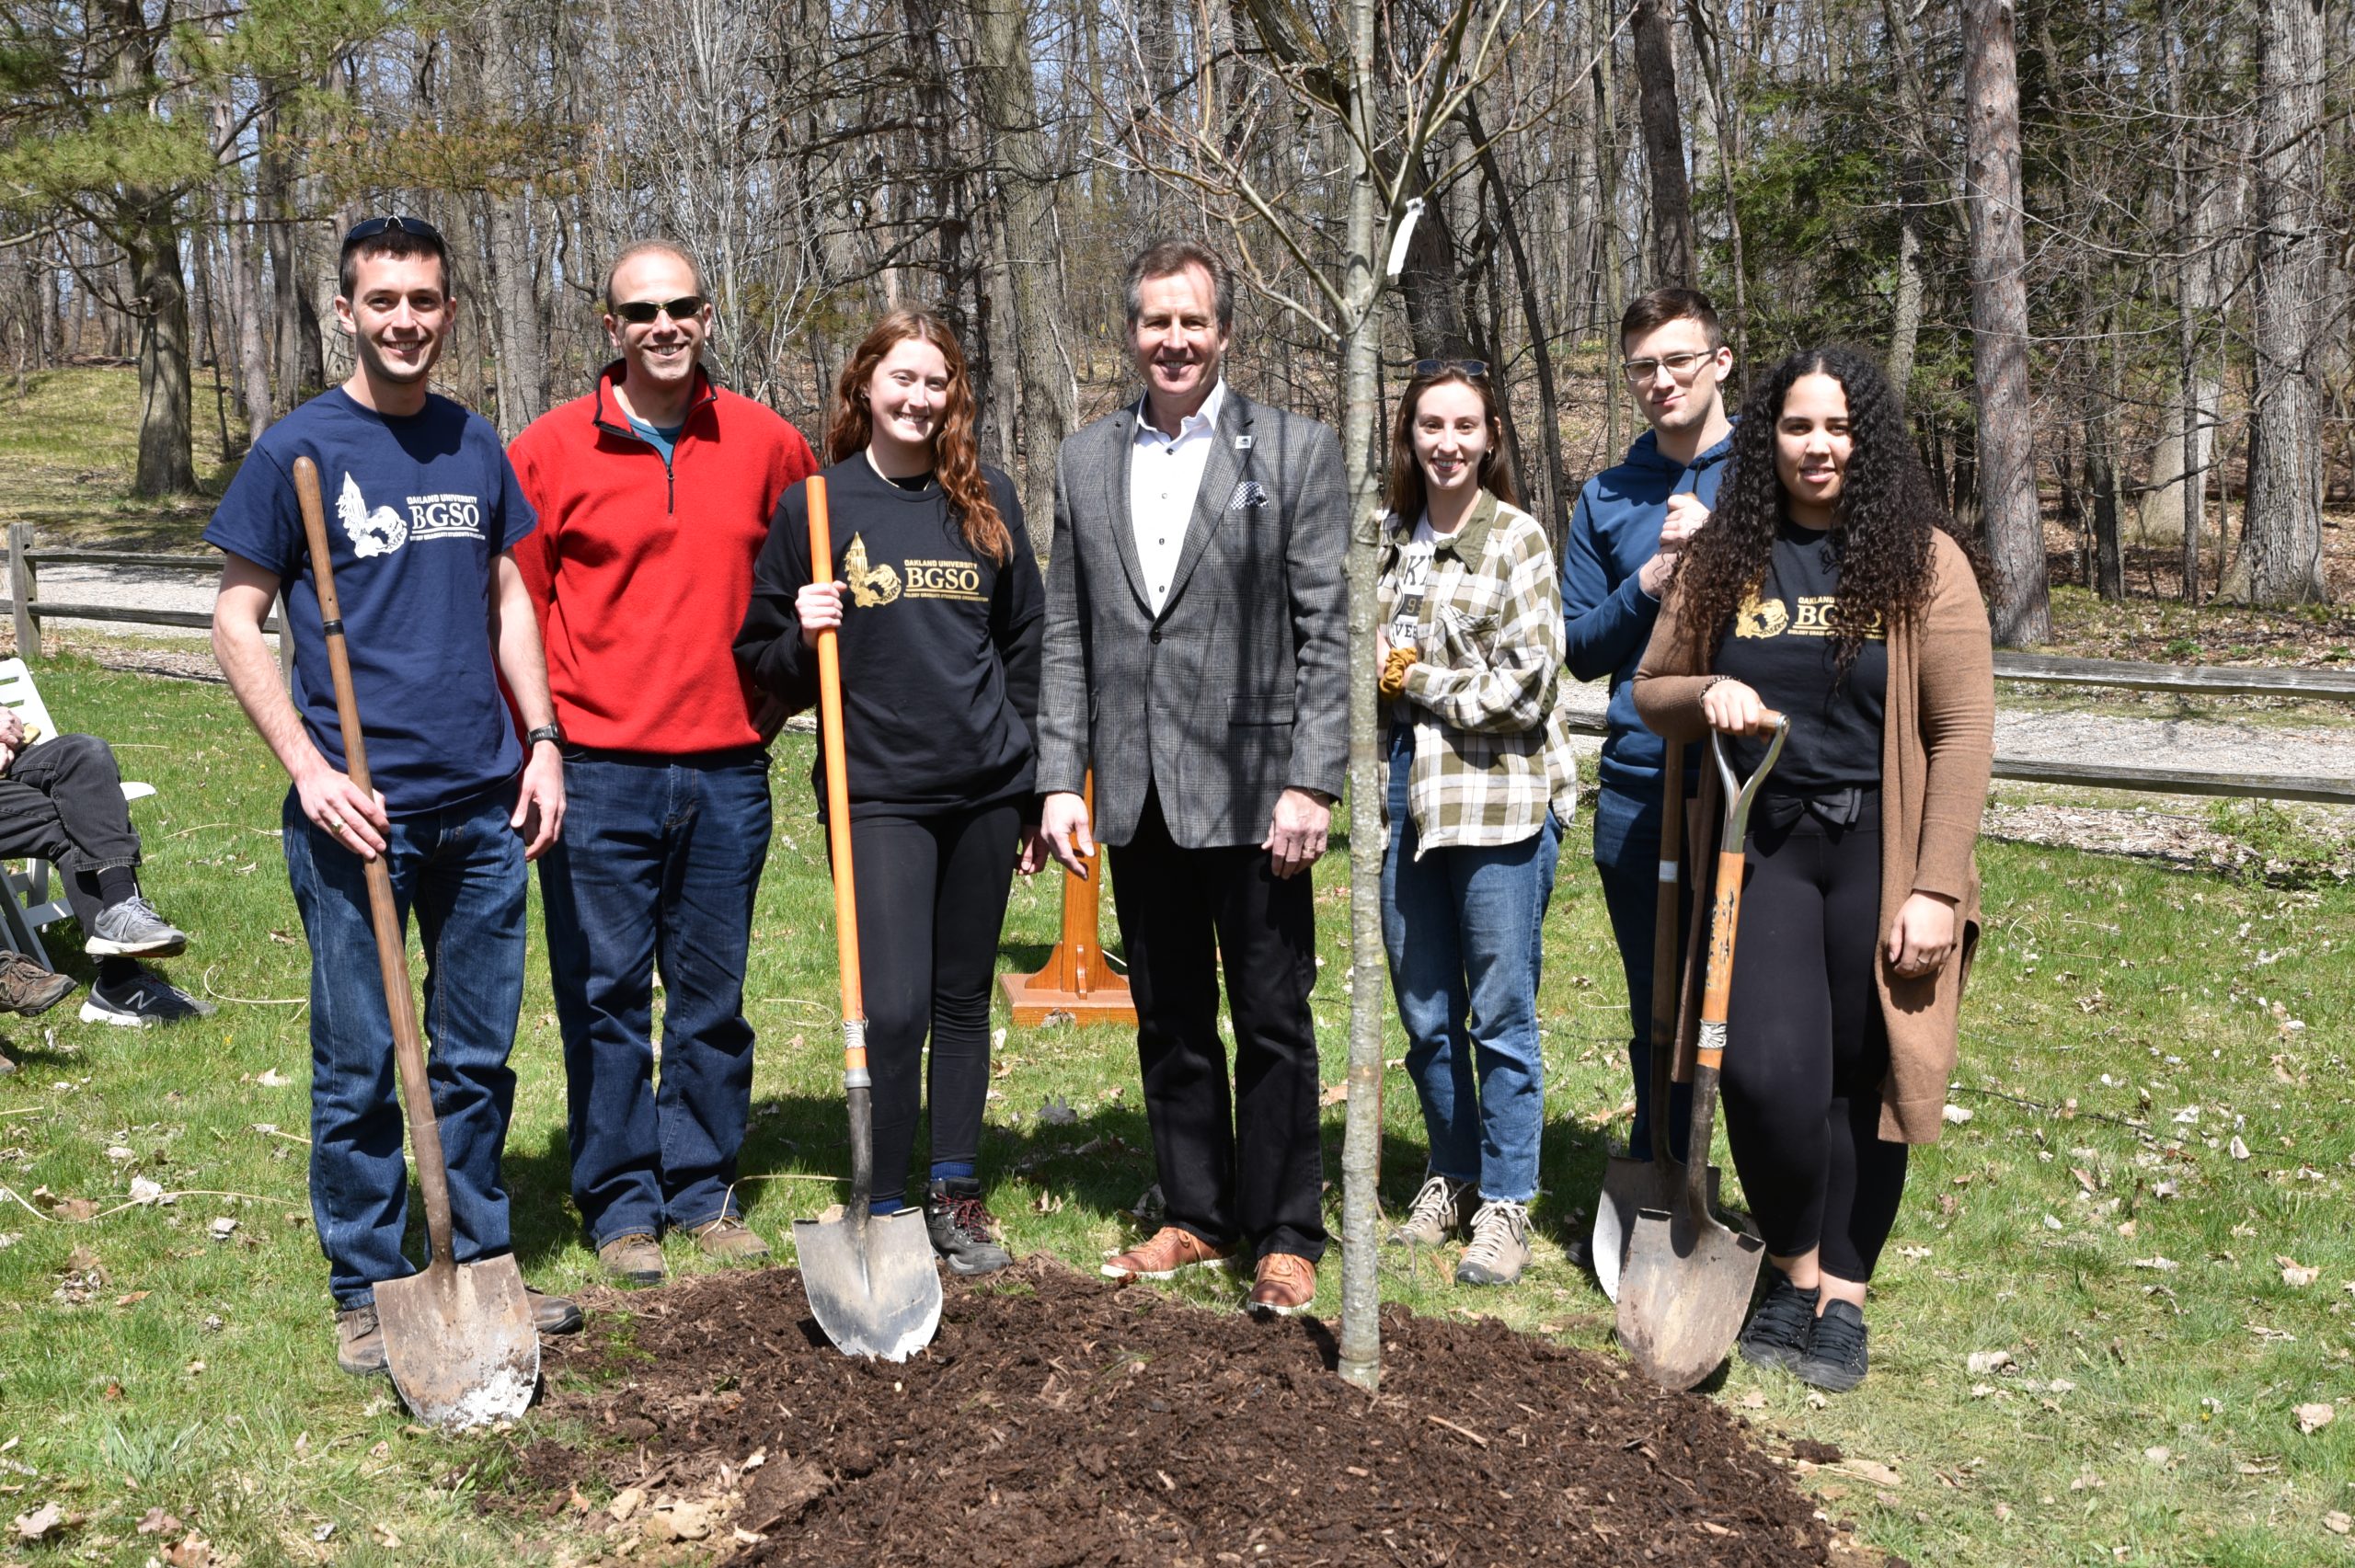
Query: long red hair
{"points": [[956, 457]]}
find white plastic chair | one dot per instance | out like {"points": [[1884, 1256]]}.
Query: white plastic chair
{"points": [[28, 905]]}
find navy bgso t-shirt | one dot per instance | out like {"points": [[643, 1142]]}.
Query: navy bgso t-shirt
{"points": [[1780, 645], [418, 511]]}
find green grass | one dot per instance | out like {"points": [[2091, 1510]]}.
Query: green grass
{"points": [[69, 444], [2110, 997]]}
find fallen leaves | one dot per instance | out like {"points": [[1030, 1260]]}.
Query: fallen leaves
{"points": [[2337, 1522], [273, 1079], [1955, 1116], [1984, 1361], [2295, 1273], [2313, 1418], [40, 1523]]}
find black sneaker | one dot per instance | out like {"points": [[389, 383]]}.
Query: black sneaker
{"points": [[1779, 1332], [1835, 1358], [961, 1228], [143, 998]]}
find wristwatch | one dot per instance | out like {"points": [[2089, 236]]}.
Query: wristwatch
{"points": [[545, 732]]}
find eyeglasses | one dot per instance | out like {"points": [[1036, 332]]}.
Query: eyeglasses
{"points": [[1426, 369], [362, 233], [1680, 366], [640, 312]]}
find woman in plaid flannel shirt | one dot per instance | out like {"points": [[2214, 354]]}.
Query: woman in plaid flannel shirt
{"points": [[1481, 781]]}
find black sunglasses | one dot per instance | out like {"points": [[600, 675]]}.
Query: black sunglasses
{"points": [[361, 232], [1426, 369], [640, 312]]}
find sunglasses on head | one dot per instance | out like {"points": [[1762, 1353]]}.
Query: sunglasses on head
{"points": [[362, 233], [1426, 369], [640, 312]]}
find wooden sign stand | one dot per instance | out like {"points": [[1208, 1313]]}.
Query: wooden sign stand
{"points": [[1076, 981]]}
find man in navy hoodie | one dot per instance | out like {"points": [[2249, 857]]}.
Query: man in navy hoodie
{"points": [[1630, 523]]}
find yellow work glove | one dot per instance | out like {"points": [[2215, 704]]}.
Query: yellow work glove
{"points": [[1392, 683]]}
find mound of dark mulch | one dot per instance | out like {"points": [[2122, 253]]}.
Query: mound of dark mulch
{"points": [[1057, 1420]]}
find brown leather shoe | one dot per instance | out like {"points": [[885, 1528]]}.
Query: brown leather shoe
{"points": [[1286, 1283], [1169, 1250]]}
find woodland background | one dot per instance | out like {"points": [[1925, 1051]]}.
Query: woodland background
{"points": [[2104, 245]]}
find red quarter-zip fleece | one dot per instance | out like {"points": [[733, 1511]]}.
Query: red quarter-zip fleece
{"points": [[640, 571]]}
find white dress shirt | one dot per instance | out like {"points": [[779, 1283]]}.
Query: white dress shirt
{"points": [[1165, 475]]}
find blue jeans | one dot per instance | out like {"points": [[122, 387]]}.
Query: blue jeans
{"points": [[1464, 930], [461, 869], [659, 864], [1627, 858]]}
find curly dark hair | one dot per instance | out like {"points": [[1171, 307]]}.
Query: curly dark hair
{"points": [[1881, 524]]}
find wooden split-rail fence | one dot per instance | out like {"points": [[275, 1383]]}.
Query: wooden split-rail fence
{"points": [[29, 610]]}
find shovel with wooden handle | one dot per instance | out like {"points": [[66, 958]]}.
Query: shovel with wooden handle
{"points": [[872, 1283], [1688, 1275], [458, 1337], [1631, 1183]]}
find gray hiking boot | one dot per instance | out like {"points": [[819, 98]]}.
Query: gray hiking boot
{"points": [[145, 998], [633, 1257], [1442, 1209], [1499, 1248], [961, 1228], [133, 929]]}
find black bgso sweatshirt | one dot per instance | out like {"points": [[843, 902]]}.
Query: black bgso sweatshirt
{"points": [[941, 646]]}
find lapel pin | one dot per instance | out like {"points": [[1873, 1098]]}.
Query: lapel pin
{"points": [[1243, 443]]}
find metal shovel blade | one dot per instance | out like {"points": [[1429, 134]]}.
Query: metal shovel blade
{"points": [[873, 1285], [460, 1343], [1630, 1185], [1683, 1293]]}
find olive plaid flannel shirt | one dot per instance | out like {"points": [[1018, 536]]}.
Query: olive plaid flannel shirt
{"points": [[1485, 695]]}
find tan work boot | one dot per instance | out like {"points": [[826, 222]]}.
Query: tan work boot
{"points": [[1286, 1283], [1441, 1210], [633, 1258], [1170, 1250], [730, 1240], [1499, 1248], [27, 988], [358, 1342]]}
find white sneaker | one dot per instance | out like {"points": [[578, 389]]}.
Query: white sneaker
{"points": [[1499, 1248]]}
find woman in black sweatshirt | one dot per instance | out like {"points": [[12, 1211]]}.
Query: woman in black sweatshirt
{"points": [[938, 605]]}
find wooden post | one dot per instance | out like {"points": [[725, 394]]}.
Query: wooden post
{"points": [[21, 587], [1076, 981]]}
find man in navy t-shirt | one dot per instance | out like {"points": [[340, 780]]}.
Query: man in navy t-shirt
{"points": [[424, 513]]}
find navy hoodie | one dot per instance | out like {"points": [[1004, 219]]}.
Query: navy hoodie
{"points": [[1605, 612]]}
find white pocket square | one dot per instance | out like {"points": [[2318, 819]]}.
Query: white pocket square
{"points": [[1248, 493]]}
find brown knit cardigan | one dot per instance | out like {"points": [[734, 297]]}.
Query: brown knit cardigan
{"points": [[1937, 751]]}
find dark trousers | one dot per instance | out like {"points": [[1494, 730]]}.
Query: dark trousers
{"points": [[1246, 1165], [63, 800], [660, 863], [1806, 1049], [1626, 862], [931, 900]]}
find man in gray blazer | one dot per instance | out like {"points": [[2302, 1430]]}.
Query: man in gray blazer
{"points": [[1197, 656]]}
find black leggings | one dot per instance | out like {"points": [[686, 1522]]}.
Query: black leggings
{"points": [[1806, 1049], [932, 896]]}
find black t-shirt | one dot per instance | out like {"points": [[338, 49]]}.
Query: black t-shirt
{"points": [[1780, 646], [941, 646]]}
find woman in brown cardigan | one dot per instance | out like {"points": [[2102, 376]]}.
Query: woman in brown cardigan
{"points": [[1831, 585]]}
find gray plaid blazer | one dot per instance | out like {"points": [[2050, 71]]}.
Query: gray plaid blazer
{"points": [[1239, 688]]}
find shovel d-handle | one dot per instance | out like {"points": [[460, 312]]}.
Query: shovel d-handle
{"points": [[857, 1087], [392, 953]]}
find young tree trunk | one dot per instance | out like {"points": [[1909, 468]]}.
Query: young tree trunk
{"points": [[1906, 310], [1361, 1349], [2014, 532], [1026, 192], [1674, 254], [2281, 561], [166, 407]]}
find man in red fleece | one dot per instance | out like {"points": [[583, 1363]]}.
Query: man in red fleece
{"points": [[654, 494]]}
